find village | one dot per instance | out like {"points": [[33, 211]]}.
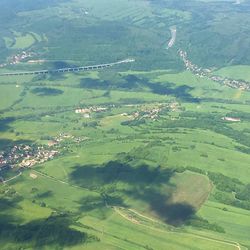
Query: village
{"points": [[25, 156], [22, 156], [17, 58], [154, 112], [200, 72], [53, 142]]}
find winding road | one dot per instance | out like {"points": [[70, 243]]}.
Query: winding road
{"points": [[234, 244], [19, 174], [118, 210]]}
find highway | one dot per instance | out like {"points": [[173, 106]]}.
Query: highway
{"points": [[63, 70], [173, 37]]}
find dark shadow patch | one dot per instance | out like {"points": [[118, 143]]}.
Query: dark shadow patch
{"points": [[90, 203], [4, 123], [132, 82], [54, 231], [181, 92], [46, 194], [6, 143], [94, 84], [43, 91], [114, 200], [62, 64], [117, 179], [6, 204], [175, 214], [96, 176]]}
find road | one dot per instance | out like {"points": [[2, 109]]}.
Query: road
{"points": [[234, 244], [20, 173], [63, 70], [173, 37]]}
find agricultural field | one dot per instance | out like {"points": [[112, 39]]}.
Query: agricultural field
{"points": [[151, 154]]}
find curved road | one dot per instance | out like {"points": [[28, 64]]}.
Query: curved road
{"points": [[234, 244], [63, 70]]}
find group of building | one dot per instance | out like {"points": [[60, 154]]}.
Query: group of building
{"points": [[22, 156], [198, 71], [17, 58]]}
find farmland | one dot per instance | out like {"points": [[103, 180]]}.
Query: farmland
{"points": [[145, 155]]}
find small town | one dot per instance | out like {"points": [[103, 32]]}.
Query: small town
{"points": [[25, 156], [200, 72], [153, 112], [17, 58], [63, 136]]}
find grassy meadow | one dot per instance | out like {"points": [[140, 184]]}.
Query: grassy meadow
{"points": [[149, 162]]}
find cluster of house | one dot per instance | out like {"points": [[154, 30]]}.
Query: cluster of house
{"points": [[41, 156], [153, 112], [17, 58], [62, 136], [87, 111], [25, 156], [55, 141], [174, 106], [237, 84], [149, 113], [240, 84], [192, 67]]}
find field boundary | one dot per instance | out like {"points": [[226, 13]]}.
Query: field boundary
{"points": [[134, 221]]}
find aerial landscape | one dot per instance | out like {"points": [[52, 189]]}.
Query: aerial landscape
{"points": [[125, 124]]}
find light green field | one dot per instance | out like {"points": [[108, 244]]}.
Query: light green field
{"points": [[136, 236], [23, 41], [9, 94], [240, 72], [159, 167], [114, 230], [191, 188], [235, 221]]}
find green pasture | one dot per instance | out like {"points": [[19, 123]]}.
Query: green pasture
{"points": [[240, 72], [9, 94], [123, 176]]}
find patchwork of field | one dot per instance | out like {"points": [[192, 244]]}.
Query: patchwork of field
{"points": [[162, 168], [140, 156]]}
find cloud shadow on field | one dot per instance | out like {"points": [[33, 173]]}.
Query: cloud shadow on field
{"points": [[116, 179], [175, 214], [44, 91], [54, 231], [92, 176], [45, 194], [5, 123], [132, 82]]}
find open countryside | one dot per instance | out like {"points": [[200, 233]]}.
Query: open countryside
{"points": [[151, 152]]}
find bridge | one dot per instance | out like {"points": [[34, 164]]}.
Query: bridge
{"points": [[63, 70]]}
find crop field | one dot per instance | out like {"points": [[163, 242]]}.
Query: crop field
{"points": [[145, 155]]}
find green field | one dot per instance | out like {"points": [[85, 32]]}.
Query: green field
{"points": [[145, 155]]}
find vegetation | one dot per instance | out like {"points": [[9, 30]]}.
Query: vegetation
{"points": [[141, 155]]}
